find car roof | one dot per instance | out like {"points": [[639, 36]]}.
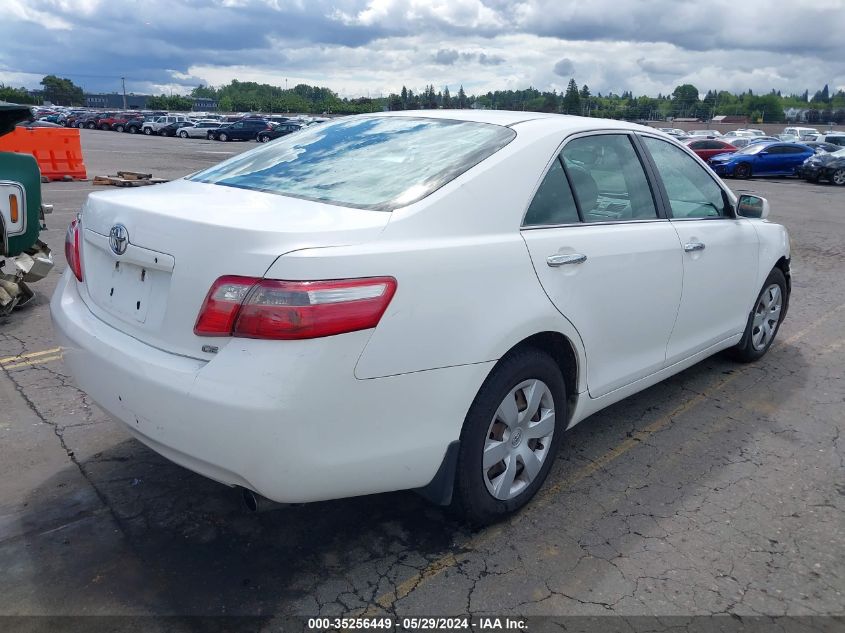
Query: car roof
{"points": [[562, 122]]}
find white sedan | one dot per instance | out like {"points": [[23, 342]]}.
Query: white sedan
{"points": [[199, 129], [415, 300]]}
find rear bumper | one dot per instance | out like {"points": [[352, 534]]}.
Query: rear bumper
{"points": [[287, 419]]}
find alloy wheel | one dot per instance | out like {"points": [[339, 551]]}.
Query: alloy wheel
{"points": [[766, 316], [838, 177], [518, 439]]}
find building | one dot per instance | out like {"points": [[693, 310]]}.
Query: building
{"points": [[730, 118]]}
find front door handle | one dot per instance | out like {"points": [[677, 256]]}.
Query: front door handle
{"points": [[689, 247], [562, 260]]}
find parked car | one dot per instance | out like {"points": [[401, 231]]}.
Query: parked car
{"points": [[799, 132], [820, 147], [707, 148], [243, 130], [672, 131], [766, 158], [276, 130], [826, 166], [110, 121], [199, 129], [88, 120], [749, 131], [172, 129], [834, 138], [705, 133], [154, 125], [135, 124], [390, 301]]}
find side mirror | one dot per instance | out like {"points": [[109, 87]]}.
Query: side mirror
{"points": [[750, 206]]}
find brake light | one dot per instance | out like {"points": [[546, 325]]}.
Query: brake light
{"points": [[72, 252], [275, 309]]}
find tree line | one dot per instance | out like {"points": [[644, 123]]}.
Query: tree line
{"points": [[685, 101]]}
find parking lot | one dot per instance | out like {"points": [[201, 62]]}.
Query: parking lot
{"points": [[720, 490]]}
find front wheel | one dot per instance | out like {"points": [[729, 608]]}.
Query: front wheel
{"points": [[838, 177], [765, 319], [224, 137], [132, 129], [210, 136], [119, 128], [91, 126], [183, 134], [148, 131], [743, 170], [264, 138], [510, 437]]}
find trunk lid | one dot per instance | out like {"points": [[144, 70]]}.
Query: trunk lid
{"points": [[179, 237]]}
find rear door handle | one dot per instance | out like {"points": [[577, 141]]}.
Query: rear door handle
{"points": [[562, 260], [689, 247]]}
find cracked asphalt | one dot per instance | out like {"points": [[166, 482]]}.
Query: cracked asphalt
{"points": [[719, 491]]}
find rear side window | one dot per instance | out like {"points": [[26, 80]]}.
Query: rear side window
{"points": [[608, 179], [376, 163], [553, 203], [692, 192]]}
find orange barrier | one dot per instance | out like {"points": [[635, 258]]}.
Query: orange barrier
{"points": [[57, 150]]}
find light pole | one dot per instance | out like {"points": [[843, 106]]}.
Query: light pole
{"points": [[123, 81]]}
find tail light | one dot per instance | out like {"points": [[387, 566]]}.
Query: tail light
{"points": [[275, 309], [72, 252]]}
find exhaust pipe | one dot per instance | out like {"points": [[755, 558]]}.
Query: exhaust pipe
{"points": [[256, 503]]}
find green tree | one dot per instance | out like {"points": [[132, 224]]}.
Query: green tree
{"points": [[571, 99], [684, 100], [462, 98], [61, 91], [447, 98], [15, 95]]}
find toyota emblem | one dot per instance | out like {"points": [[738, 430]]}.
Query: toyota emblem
{"points": [[118, 239]]}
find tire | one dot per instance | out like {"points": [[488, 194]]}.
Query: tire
{"points": [[104, 127], [764, 320], [743, 170], [485, 495], [183, 134], [132, 129], [223, 137], [148, 131], [210, 136], [91, 126], [264, 138], [119, 128], [80, 125], [838, 177]]}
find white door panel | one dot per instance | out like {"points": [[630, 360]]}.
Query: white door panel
{"points": [[622, 299], [719, 280]]}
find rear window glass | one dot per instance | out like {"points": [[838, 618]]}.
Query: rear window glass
{"points": [[364, 162]]}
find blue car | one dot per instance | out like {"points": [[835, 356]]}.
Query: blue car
{"points": [[762, 159]]}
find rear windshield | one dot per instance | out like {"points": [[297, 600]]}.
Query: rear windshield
{"points": [[376, 163]]}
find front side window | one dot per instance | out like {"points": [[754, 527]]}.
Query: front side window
{"points": [[608, 179], [379, 163], [691, 191]]}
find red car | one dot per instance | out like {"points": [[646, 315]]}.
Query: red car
{"points": [[708, 148]]}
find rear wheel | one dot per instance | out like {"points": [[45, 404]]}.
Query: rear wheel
{"points": [[183, 134], [838, 177], [210, 136], [119, 128], [132, 129], [148, 131], [264, 138], [224, 137], [91, 126], [765, 319], [510, 437], [743, 170], [104, 127]]}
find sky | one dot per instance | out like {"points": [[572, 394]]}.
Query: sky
{"points": [[374, 47]]}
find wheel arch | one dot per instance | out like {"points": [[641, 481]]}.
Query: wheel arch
{"points": [[563, 351]]}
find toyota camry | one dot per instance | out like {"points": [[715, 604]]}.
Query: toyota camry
{"points": [[415, 300]]}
